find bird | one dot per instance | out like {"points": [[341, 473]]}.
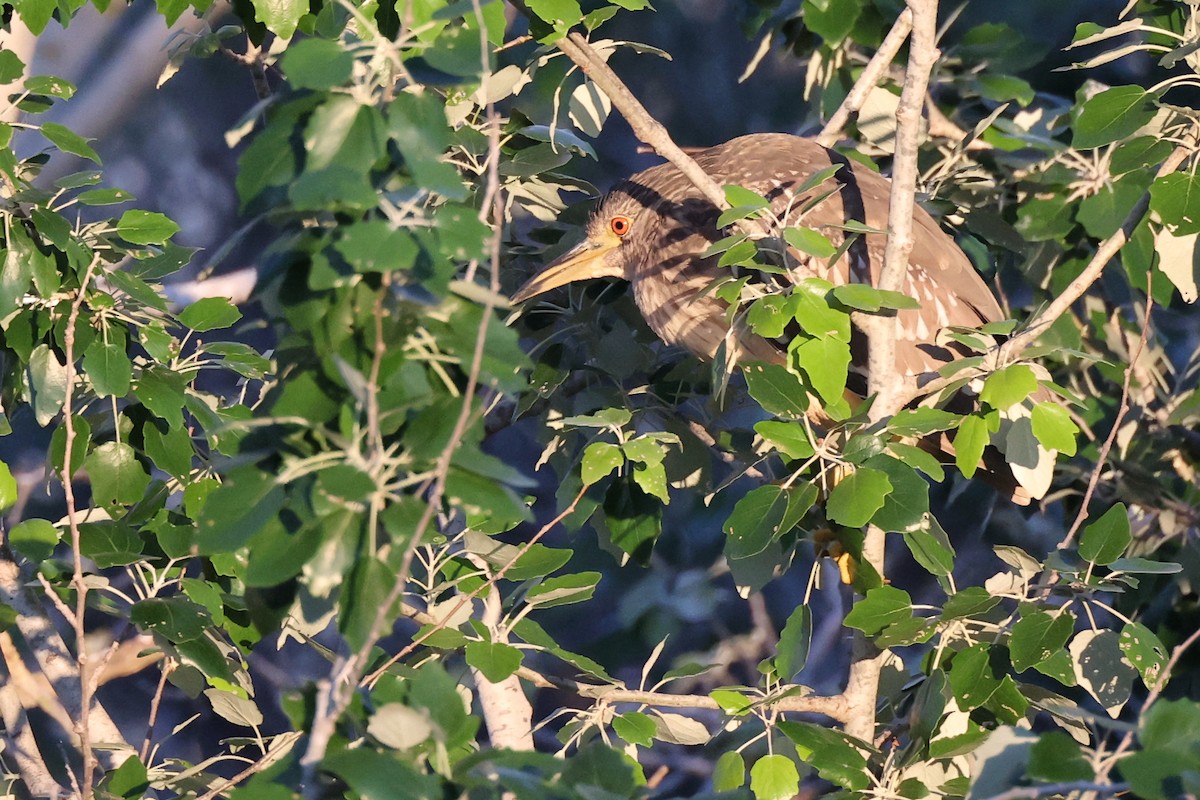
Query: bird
{"points": [[653, 229]]}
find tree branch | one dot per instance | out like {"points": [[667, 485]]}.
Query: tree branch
{"points": [[833, 707], [868, 80], [884, 382], [644, 126]]}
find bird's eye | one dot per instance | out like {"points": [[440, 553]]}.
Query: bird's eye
{"points": [[620, 225]]}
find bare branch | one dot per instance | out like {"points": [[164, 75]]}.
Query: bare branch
{"points": [[86, 686], [645, 127], [832, 707], [867, 80], [1122, 410], [884, 383]]}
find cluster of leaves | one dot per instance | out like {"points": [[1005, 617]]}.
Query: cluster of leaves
{"points": [[135, 397]]}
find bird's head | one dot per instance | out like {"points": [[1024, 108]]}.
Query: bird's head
{"points": [[613, 234]]}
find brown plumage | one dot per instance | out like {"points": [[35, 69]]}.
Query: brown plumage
{"points": [[652, 228]]}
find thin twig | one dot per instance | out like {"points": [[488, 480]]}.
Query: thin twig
{"points": [[167, 668], [86, 689], [867, 81], [1122, 410]]}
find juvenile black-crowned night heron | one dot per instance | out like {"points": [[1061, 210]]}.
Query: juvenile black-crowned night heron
{"points": [[653, 228]]}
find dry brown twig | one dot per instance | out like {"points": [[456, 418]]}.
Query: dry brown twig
{"points": [[1122, 410]]}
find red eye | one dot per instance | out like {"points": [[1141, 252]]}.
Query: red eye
{"points": [[619, 225]]}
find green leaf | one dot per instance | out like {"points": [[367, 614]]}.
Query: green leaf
{"points": [[234, 708], [373, 774], [774, 777], [11, 67], [810, 305], [280, 16], [599, 461], [1056, 757], [34, 538], [837, 757], [109, 369], [210, 313], [794, 642], [104, 197], [809, 241], [740, 196], [82, 433], [48, 381], [1009, 386], [769, 316], [832, 20], [68, 141], [496, 660], [1113, 114], [1003, 88], [128, 780], [109, 544], [633, 519], [162, 391], [1104, 540], [1037, 636], [973, 601], [763, 515], [868, 298], [116, 474], [317, 64], [854, 501], [883, 606], [1054, 428], [972, 676], [904, 508], [778, 391], [1007, 702], [563, 590], [931, 548], [145, 227], [1102, 670], [922, 421], [729, 772], [970, 440], [789, 438], [826, 361], [16, 274], [1143, 649], [635, 727], [536, 562], [1176, 198], [1168, 732], [553, 11], [8, 488], [177, 619]]}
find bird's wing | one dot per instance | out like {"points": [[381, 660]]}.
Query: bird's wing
{"points": [[940, 276]]}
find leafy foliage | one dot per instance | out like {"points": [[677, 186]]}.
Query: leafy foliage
{"points": [[359, 486]]}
